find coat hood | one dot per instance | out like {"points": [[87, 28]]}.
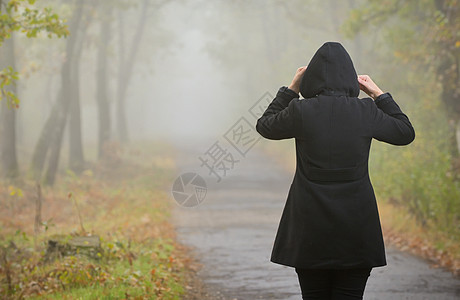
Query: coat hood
{"points": [[330, 72]]}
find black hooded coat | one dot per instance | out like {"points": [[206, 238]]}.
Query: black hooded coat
{"points": [[330, 219]]}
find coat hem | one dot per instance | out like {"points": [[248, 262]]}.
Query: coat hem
{"points": [[332, 266]]}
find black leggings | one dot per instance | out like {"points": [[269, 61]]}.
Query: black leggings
{"points": [[333, 284]]}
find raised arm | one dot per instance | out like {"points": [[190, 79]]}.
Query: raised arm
{"points": [[281, 118], [389, 124]]}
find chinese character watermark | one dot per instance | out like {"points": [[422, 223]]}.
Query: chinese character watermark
{"points": [[189, 189], [242, 136], [218, 161]]}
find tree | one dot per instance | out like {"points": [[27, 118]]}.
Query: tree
{"points": [[18, 15], [102, 82], [50, 140], [67, 94], [9, 163], [427, 39], [125, 71], [76, 156]]}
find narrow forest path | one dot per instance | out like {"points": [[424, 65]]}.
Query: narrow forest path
{"points": [[233, 231]]}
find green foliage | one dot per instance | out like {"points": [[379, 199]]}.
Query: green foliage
{"points": [[419, 177], [22, 16], [420, 50], [139, 257], [424, 34], [126, 269], [7, 77]]}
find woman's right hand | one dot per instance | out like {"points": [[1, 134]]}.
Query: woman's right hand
{"points": [[295, 84], [368, 86]]}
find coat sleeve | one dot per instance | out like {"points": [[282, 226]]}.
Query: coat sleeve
{"points": [[281, 118], [390, 124]]}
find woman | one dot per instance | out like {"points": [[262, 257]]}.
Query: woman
{"points": [[330, 228]]}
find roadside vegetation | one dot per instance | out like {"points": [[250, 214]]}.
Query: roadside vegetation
{"points": [[417, 217], [124, 202]]}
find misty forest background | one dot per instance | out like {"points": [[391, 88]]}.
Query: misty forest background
{"points": [[85, 80]]}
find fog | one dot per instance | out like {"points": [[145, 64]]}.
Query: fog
{"points": [[200, 66], [115, 102]]}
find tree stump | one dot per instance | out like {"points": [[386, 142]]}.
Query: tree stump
{"points": [[64, 245]]}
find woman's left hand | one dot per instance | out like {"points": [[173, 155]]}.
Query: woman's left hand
{"points": [[295, 84]]}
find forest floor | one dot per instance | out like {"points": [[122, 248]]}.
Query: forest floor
{"points": [[233, 230], [123, 200]]}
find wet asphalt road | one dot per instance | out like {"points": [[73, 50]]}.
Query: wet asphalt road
{"points": [[233, 230]]}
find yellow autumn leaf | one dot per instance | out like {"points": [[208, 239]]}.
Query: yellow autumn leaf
{"points": [[457, 44], [12, 190]]}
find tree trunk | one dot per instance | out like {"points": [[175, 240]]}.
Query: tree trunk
{"points": [[125, 73], [44, 141], [451, 100], [76, 157], [9, 163], [457, 134], [64, 99], [449, 71], [102, 82]]}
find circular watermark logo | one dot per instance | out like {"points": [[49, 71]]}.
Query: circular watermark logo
{"points": [[189, 189]]}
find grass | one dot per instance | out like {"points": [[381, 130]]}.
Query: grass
{"points": [[401, 229], [149, 275], [124, 201]]}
